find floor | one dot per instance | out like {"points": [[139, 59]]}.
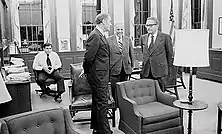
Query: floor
{"points": [[204, 121]]}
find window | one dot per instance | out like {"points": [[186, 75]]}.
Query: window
{"points": [[141, 14], [196, 14], [90, 8], [31, 25]]}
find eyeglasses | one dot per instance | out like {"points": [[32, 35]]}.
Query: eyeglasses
{"points": [[150, 25]]}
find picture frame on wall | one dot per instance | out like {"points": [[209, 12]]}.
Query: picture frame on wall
{"points": [[220, 26]]}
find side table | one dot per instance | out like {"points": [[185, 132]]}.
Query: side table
{"points": [[194, 106]]}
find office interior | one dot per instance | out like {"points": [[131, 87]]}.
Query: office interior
{"points": [[25, 25]]}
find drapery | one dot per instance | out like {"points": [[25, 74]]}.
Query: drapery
{"points": [[203, 14], [46, 22], [79, 32], [186, 15], [15, 23]]}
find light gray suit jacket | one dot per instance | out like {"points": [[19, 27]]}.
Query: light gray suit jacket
{"points": [[158, 59], [120, 58]]}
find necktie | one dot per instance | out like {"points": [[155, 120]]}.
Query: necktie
{"points": [[120, 43], [151, 42], [48, 61]]}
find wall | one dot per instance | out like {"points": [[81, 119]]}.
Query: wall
{"points": [[63, 27], [217, 39], [118, 11]]}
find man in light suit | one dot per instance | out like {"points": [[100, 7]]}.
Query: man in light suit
{"points": [[157, 53], [96, 67], [121, 57]]}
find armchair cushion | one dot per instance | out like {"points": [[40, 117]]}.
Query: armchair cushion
{"points": [[50, 121], [157, 112]]}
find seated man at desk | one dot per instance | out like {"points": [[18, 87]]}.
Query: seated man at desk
{"points": [[47, 63]]}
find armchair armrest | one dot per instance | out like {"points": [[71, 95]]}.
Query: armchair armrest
{"points": [[3, 127], [69, 124], [128, 108], [163, 97]]}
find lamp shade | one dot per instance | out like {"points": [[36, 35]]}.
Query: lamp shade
{"points": [[4, 94], [191, 47]]}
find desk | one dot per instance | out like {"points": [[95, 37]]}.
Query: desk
{"points": [[196, 105], [4, 94], [21, 99]]}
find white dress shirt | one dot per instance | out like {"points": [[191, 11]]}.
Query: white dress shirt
{"points": [[40, 60], [154, 38]]}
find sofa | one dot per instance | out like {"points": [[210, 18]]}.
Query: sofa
{"points": [[47, 121]]}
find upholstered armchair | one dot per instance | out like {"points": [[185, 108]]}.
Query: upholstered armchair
{"points": [[145, 109], [50, 121]]}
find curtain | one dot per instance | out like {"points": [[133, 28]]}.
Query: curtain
{"points": [[104, 6], [153, 8], [203, 14], [186, 14], [172, 23], [132, 16], [46, 22], [79, 32], [16, 26], [105, 9]]}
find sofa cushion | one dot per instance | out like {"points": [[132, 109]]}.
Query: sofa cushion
{"points": [[141, 91], [42, 122], [157, 112]]}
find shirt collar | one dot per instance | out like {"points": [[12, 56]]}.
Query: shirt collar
{"points": [[155, 34], [117, 37], [100, 30]]}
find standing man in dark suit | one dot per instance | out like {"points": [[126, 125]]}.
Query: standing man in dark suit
{"points": [[121, 57], [157, 53], [96, 66]]}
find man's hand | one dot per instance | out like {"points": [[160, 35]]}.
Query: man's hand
{"points": [[51, 69], [47, 69]]}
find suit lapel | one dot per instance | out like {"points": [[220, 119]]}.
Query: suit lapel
{"points": [[146, 43], [124, 44]]}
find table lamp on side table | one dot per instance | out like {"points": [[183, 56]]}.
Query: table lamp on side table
{"points": [[191, 50]]}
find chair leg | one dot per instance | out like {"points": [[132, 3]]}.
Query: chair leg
{"points": [[176, 93], [181, 79], [219, 122], [114, 117]]}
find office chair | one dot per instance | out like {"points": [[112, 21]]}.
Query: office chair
{"points": [[50, 92]]}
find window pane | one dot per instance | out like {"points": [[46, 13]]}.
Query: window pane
{"points": [[30, 16], [23, 33], [141, 14]]}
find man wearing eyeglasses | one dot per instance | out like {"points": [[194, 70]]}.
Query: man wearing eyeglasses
{"points": [[157, 53]]}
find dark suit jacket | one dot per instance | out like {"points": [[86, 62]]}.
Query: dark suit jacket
{"points": [[96, 58], [120, 58], [158, 59]]}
